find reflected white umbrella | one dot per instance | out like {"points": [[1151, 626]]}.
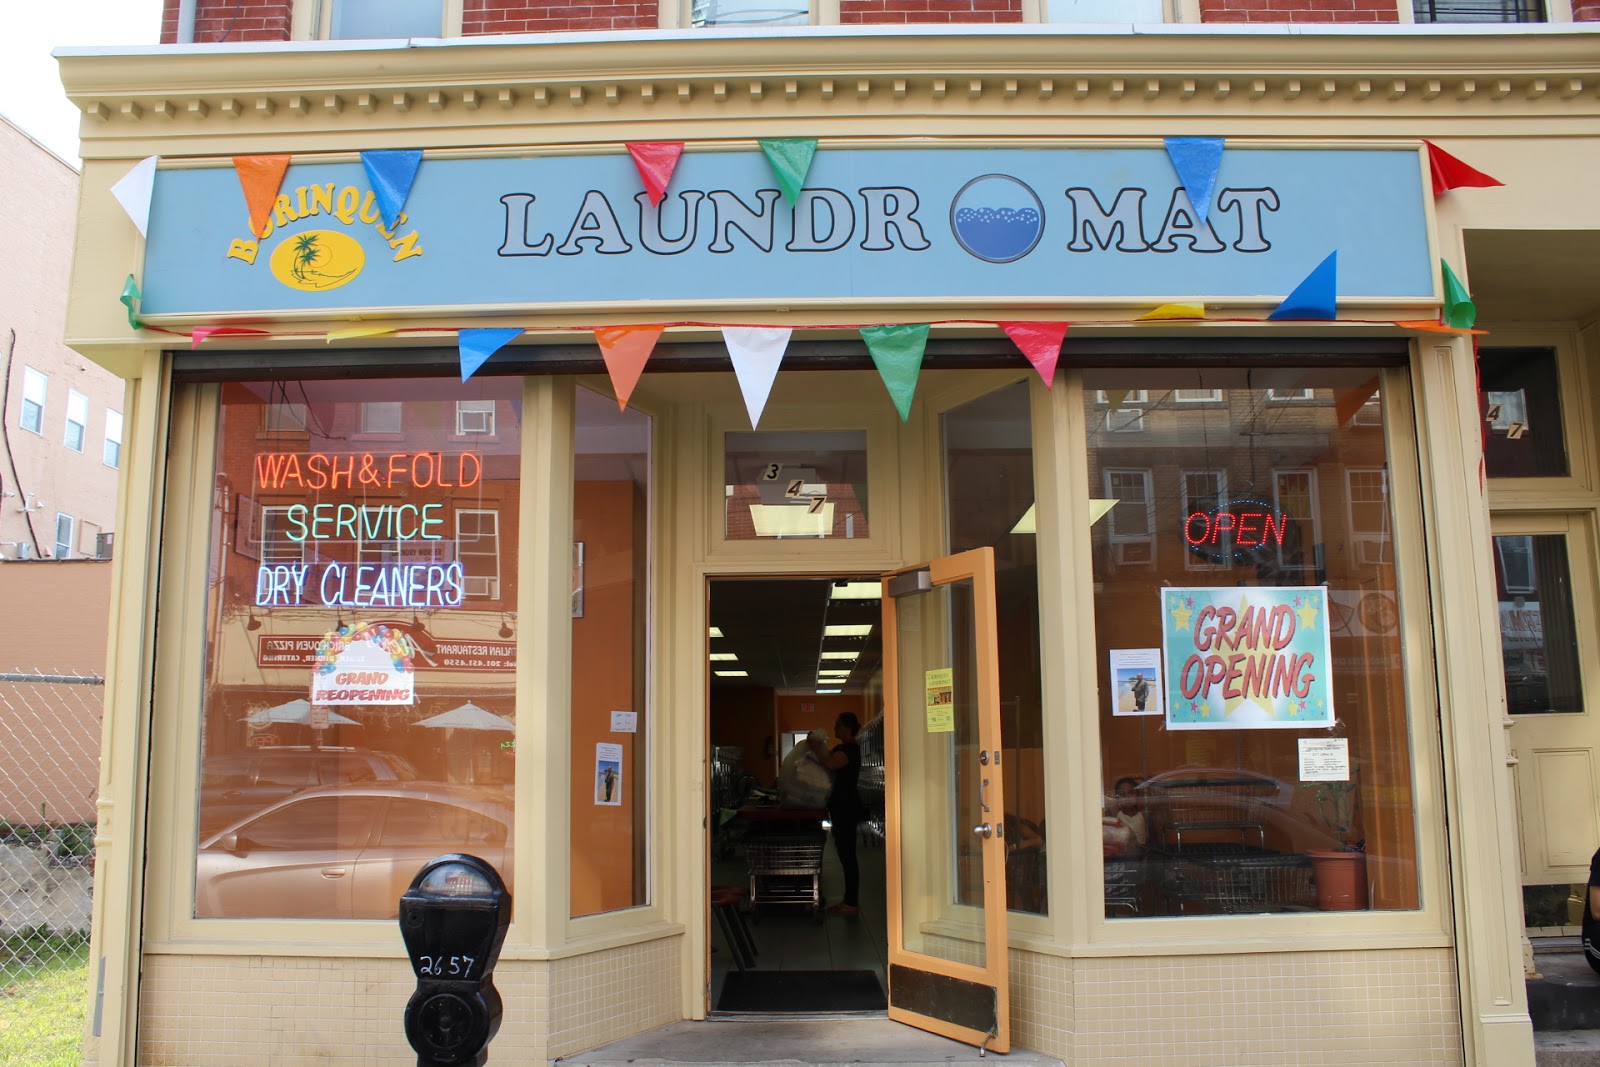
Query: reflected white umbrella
{"points": [[469, 717], [297, 712]]}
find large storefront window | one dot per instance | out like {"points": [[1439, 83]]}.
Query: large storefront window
{"points": [[1254, 737], [988, 455], [359, 707], [610, 610]]}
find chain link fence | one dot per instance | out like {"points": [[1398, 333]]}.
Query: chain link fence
{"points": [[49, 778]]}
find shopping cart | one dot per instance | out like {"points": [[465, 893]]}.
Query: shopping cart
{"points": [[1234, 880], [786, 870]]}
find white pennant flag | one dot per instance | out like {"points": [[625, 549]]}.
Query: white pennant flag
{"points": [[756, 352], [133, 191]]}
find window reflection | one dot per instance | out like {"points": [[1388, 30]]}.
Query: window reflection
{"points": [[1538, 633]]}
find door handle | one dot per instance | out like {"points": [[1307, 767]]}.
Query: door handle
{"points": [[983, 802], [983, 830], [333, 872]]}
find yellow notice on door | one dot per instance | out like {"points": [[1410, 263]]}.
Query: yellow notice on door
{"points": [[941, 706]]}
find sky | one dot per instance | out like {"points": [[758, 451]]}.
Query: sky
{"points": [[30, 82]]}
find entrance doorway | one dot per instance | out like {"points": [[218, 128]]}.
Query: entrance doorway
{"points": [[795, 716]]}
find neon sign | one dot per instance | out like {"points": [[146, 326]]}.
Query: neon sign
{"points": [[364, 585], [368, 470], [1234, 531]]}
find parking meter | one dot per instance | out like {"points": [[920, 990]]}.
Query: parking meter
{"points": [[453, 920]]}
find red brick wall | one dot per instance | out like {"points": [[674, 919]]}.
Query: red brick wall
{"points": [[1299, 11], [553, 16], [859, 12], [230, 20], [1586, 10]]}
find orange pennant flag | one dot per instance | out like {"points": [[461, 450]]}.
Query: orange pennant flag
{"points": [[260, 177], [626, 349], [1432, 326]]}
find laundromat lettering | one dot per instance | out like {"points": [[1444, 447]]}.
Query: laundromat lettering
{"points": [[348, 204]]}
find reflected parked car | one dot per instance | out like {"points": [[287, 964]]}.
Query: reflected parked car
{"points": [[238, 784], [347, 853]]}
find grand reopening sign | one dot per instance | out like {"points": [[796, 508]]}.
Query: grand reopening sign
{"points": [[872, 224]]}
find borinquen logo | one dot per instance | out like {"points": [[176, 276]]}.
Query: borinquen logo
{"points": [[316, 260], [997, 218]]}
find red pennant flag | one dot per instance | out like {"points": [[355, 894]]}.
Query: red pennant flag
{"points": [[200, 333], [626, 349], [1041, 343], [1450, 173], [656, 161], [260, 177]]}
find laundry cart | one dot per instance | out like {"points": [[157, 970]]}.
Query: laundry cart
{"points": [[786, 870]]}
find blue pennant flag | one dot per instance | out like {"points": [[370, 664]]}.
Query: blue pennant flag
{"points": [[391, 172], [1197, 160], [478, 345], [1316, 297]]}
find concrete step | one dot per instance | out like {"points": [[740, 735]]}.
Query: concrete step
{"points": [[1566, 1048], [1567, 995], [829, 1041]]}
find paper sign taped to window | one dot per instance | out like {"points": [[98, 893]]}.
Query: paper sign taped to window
{"points": [[1324, 759]]}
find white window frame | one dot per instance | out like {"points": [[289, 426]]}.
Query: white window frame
{"points": [[111, 450], [1381, 550], [1550, 8], [1315, 518], [1291, 396], [1119, 541], [63, 547], [466, 416], [269, 550], [285, 416], [313, 21], [1212, 396], [77, 405], [1190, 560], [481, 586], [371, 408], [35, 391]]}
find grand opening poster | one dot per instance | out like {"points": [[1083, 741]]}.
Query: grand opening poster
{"points": [[1246, 658]]}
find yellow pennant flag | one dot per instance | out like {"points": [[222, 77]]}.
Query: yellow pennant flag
{"points": [[1175, 311], [358, 331]]}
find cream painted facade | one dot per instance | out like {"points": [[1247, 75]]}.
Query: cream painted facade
{"points": [[1439, 984]]}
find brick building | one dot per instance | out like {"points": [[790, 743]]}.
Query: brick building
{"points": [[1277, 571]]}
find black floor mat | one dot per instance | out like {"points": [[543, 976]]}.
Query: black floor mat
{"points": [[767, 991]]}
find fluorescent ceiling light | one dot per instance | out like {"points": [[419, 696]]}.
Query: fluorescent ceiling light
{"points": [[827, 692], [841, 655], [731, 674], [856, 591], [833, 674], [728, 657], [716, 631], [847, 630]]}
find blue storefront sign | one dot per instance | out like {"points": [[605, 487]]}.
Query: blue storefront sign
{"points": [[1029, 227]]}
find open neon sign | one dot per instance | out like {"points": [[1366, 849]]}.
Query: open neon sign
{"points": [[1234, 531]]}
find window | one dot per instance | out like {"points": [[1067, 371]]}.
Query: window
{"points": [[795, 483], [111, 455], [1278, 396], [474, 417], [750, 13], [368, 562], [1538, 626], [77, 420], [1521, 400], [381, 417], [609, 869], [1119, 11], [478, 549], [1197, 396], [63, 548], [353, 20], [1478, 10], [1205, 810], [34, 387]]}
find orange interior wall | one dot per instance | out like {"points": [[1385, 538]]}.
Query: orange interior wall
{"points": [[744, 717], [603, 680], [793, 713]]}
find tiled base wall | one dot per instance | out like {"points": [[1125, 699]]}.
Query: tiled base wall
{"points": [[229, 1011], [1307, 1009]]}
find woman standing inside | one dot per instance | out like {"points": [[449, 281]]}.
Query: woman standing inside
{"points": [[845, 809]]}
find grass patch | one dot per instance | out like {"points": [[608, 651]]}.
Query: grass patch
{"points": [[43, 999]]}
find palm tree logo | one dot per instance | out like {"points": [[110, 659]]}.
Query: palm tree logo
{"points": [[306, 254], [317, 260]]}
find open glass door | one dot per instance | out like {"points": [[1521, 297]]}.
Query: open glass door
{"points": [[943, 801]]}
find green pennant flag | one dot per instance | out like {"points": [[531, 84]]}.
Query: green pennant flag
{"points": [[130, 298], [1459, 312], [791, 159], [897, 352]]}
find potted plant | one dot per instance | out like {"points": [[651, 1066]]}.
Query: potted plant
{"points": [[1341, 873]]}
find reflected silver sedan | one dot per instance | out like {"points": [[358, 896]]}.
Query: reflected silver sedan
{"points": [[347, 853]]}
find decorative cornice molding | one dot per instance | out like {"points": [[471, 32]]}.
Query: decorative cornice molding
{"points": [[475, 92]]}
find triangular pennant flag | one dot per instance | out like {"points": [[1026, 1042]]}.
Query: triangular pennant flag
{"points": [[1349, 401], [1434, 326], [200, 333], [1316, 297], [1197, 160], [626, 350], [897, 353], [133, 191], [1459, 312], [1041, 343], [1450, 173], [391, 172], [791, 160], [130, 299], [756, 352], [1175, 311], [260, 177], [358, 331], [656, 161], [1115, 397], [475, 346]]}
